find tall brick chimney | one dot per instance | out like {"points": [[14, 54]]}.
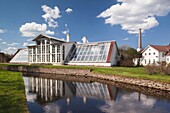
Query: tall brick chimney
{"points": [[139, 40]]}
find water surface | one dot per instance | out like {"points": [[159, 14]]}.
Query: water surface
{"points": [[58, 96]]}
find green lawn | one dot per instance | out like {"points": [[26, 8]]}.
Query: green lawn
{"points": [[12, 93], [134, 72]]}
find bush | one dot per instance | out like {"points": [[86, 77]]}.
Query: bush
{"points": [[127, 63], [161, 69]]}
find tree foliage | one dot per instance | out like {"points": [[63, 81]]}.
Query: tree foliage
{"points": [[127, 54]]}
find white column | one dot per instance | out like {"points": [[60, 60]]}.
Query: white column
{"points": [[46, 89], [50, 52], [32, 54], [41, 49], [61, 53], [45, 50], [36, 53], [55, 53]]}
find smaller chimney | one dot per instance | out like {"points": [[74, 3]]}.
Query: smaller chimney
{"points": [[84, 39], [68, 37]]}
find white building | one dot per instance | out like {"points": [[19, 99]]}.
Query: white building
{"points": [[154, 54], [51, 50]]}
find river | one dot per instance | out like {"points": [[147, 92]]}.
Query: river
{"points": [[45, 95]]}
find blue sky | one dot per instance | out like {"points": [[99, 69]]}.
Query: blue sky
{"points": [[99, 20]]}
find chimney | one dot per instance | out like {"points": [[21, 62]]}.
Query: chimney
{"points": [[84, 39], [139, 41], [68, 37]]}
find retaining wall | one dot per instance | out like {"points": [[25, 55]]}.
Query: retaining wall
{"points": [[89, 73]]}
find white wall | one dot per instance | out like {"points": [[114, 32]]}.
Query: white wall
{"points": [[114, 57], [150, 55], [167, 59]]}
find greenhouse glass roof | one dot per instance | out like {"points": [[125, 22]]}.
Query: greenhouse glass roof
{"points": [[90, 52], [21, 56]]}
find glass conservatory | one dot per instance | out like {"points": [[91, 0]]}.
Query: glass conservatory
{"points": [[57, 51]]}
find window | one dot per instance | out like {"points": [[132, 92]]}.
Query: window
{"points": [[153, 61], [163, 54], [149, 53], [167, 59], [145, 61], [38, 42], [63, 52], [149, 61], [58, 54], [145, 54], [153, 53]]}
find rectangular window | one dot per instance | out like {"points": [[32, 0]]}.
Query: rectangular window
{"points": [[149, 61], [63, 52], [163, 54], [53, 57]]}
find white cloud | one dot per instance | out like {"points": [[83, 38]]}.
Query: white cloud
{"points": [[33, 29], [3, 30], [4, 43], [50, 15], [25, 44], [146, 104], [69, 10], [13, 44], [11, 50], [0, 39], [66, 31], [30, 39], [135, 14], [125, 39]]}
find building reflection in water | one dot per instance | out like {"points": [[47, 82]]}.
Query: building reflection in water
{"points": [[47, 90], [55, 96]]}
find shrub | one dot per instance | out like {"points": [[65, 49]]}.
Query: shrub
{"points": [[127, 63], [161, 69]]}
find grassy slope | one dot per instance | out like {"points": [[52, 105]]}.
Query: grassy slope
{"points": [[134, 72], [12, 92]]}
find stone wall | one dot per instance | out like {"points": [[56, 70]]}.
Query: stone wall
{"points": [[88, 73]]}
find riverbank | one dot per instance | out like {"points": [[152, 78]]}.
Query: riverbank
{"points": [[12, 93], [134, 75]]}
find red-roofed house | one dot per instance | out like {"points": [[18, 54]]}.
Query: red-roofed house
{"points": [[153, 54]]}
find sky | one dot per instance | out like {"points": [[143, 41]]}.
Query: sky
{"points": [[98, 20]]}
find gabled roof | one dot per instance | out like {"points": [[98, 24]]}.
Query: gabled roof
{"points": [[50, 37], [158, 48], [161, 48]]}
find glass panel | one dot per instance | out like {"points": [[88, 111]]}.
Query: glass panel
{"points": [[91, 53]]}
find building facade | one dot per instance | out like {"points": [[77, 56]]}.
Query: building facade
{"points": [[155, 54], [50, 50]]}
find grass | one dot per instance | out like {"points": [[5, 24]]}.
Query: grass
{"points": [[133, 72], [12, 93]]}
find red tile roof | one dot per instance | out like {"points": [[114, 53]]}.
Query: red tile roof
{"points": [[161, 48]]}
